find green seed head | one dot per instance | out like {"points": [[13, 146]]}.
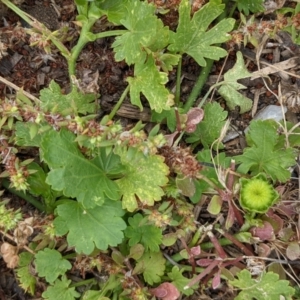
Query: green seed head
{"points": [[257, 195]]}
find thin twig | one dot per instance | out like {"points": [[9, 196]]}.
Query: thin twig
{"points": [[10, 84]]}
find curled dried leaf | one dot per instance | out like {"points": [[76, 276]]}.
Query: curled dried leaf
{"points": [[194, 117], [9, 255], [23, 231]]}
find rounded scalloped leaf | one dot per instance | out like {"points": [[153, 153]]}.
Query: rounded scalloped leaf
{"points": [[257, 194]]}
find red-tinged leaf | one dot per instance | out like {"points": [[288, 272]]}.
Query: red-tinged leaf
{"points": [[204, 262], [216, 280], [275, 220], [293, 251], [166, 291], [195, 250], [194, 117], [264, 233]]}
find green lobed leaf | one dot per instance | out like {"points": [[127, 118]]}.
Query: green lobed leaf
{"points": [[180, 281], [149, 81], [253, 6], [51, 271], [191, 36], [73, 174], [152, 265], [61, 290], [229, 90], [209, 129], [149, 236], [27, 280], [267, 287], [145, 30], [71, 104], [168, 115], [87, 228], [262, 155], [144, 177], [115, 10]]}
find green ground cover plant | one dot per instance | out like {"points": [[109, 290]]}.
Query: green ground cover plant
{"points": [[119, 201]]}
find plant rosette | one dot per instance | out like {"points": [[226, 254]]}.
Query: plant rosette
{"points": [[257, 194]]}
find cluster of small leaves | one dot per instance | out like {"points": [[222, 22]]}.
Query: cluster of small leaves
{"points": [[9, 218], [147, 37]]}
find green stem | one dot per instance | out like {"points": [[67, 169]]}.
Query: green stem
{"points": [[199, 85], [26, 197], [82, 41], [178, 82], [18, 11], [119, 103], [222, 242], [204, 72], [84, 282], [232, 10], [209, 91], [85, 37]]}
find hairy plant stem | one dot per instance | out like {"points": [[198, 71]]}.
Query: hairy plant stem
{"points": [[6, 183], [178, 82], [198, 85], [204, 72]]}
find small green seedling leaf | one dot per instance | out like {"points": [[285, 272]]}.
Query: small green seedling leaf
{"points": [[51, 271], [186, 186], [136, 251], [27, 280], [144, 177], [215, 205], [229, 90], [73, 174], [209, 129], [253, 6], [266, 287], [152, 265], [149, 81], [191, 36], [148, 235], [61, 290], [71, 104], [87, 228], [263, 155]]}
